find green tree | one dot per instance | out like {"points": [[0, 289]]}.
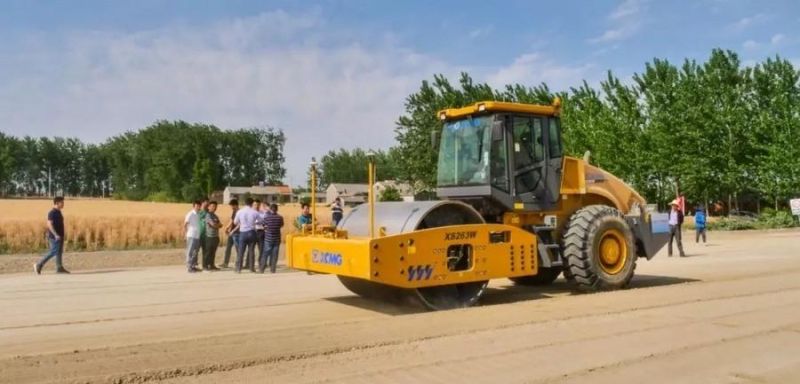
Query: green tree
{"points": [[345, 166], [774, 105], [8, 163], [390, 194]]}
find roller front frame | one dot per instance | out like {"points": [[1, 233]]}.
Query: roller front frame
{"points": [[423, 258]]}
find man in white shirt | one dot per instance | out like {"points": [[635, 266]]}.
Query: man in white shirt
{"points": [[675, 222], [192, 225], [245, 220]]}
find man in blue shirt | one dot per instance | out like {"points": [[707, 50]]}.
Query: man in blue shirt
{"points": [[245, 222], [304, 218], [55, 235], [700, 224]]}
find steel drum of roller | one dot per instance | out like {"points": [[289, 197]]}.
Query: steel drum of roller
{"points": [[403, 217]]}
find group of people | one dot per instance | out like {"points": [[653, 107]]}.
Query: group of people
{"points": [[676, 222], [256, 226]]}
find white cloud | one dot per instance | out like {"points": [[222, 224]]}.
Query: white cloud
{"points": [[749, 21], [535, 68], [750, 45], [273, 69], [777, 39], [480, 32], [625, 19], [626, 9]]}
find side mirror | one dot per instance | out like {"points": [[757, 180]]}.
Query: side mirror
{"points": [[435, 135]]}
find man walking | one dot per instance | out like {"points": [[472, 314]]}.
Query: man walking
{"points": [[675, 222], [246, 221], [212, 225], [272, 239], [192, 225], [55, 235], [233, 234]]}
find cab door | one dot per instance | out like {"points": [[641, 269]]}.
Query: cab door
{"points": [[529, 160], [555, 158]]}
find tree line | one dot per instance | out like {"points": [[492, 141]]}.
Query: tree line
{"points": [[166, 161], [716, 130], [713, 131]]}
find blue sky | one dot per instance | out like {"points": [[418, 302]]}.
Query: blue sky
{"points": [[334, 74]]}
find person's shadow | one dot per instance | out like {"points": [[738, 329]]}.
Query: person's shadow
{"points": [[97, 271]]}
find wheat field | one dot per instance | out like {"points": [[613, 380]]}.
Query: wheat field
{"points": [[103, 224]]}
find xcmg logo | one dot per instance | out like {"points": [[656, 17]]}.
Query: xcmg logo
{"points": [[419, 272], [322, 257]]}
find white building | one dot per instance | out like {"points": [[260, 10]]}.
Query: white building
{"points": [[268, 194], [354, 194]]}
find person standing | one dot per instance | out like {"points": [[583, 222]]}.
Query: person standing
{"points": [[304, 218], [55, 236], [272, 239], [246, 221], [262, 210], [700, 224], [675, 223], [192, 225], [201, 216], [212, 225], [232, 231], [336, 211]]}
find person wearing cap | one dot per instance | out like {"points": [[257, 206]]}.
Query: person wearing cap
{"points": [[675, 222]]}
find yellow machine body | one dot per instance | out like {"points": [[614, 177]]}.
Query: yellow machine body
{"points": [[419, 258]]}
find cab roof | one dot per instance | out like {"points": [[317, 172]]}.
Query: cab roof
{"points": [[487, 107]]}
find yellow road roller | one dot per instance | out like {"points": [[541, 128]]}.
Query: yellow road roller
{"points": [[512, 205]]}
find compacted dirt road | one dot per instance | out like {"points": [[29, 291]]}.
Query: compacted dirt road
{"points": [[729, 313]]}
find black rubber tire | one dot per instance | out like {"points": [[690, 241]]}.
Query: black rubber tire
{"points": [[371, 290], [446, 297], [546, 276], [581, 244]]}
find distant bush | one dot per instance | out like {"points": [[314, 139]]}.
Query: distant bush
{"points": [[771, 218], [731, 224], [768, 219]]}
